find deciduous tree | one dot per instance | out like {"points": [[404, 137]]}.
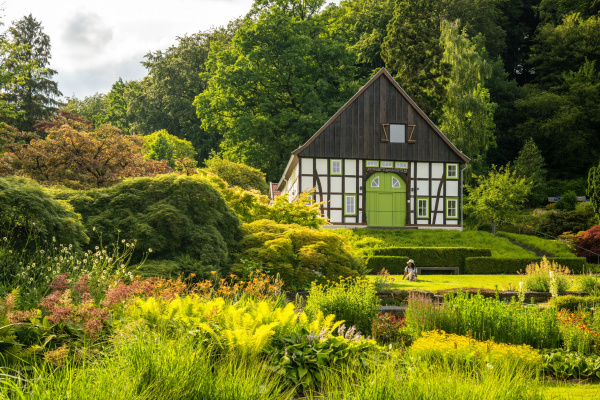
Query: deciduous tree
{"points": [[277, 82], [498, 196], [467, 112], [161, 145], [81, 159]]}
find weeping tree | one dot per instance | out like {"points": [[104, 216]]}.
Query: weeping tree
{"points": [[467, 111]]}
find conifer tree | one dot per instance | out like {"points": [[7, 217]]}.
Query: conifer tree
{"points": [[530, 164], [35, 96]]}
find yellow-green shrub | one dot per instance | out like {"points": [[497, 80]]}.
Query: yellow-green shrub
{"points": [[457, 348], [299, 255]]}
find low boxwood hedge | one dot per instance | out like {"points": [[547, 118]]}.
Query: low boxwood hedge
{"points": [[394, 264], [433, 256], [491, 265], [573, 303]]}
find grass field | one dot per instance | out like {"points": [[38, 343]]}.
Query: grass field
{"points": [[441, 282], [376, 238]]}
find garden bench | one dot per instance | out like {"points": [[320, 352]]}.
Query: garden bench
{"points": [[454, 270], [580, 199]]}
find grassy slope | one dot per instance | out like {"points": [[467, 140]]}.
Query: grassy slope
{"points": [[369, 238], [556, 248]]}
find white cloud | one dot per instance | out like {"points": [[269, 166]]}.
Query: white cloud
{"points": [[86, 34]]}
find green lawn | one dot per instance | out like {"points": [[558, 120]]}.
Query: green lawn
{"points": [[361, 239], [572, 391], [441, 282]]}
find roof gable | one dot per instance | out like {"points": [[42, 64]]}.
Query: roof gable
{"points": [[356, 129]]}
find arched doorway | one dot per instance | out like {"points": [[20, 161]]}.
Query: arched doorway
{"points": [[386, 200]]}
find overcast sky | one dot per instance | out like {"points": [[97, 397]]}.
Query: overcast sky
{"points": [[96, 42]]}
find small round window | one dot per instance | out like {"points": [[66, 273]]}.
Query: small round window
{"points": [[375, 182], [395, 183]]}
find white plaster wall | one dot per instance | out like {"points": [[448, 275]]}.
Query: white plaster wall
{"points": [[307, 165], [350, 185], [307, 183], [324, 198], [452, 188], [324, 183], [336, 200], [422, 222], [422, 189], [422, 170], [435, 185], [412, 169], [336, 184], [336, 216], [359, 201], [322, 167], [349, 167], [441, 205], [360, 168], [437, 170], [350, 220], [452, 222]]}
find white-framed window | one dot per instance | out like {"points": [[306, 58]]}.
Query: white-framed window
{"points": [[395, 183], [387, 164], [401, 164], [372, 163], [375, 182], [350, 204], [451, 171], [397, 133], [422, 207], [336, 167], [452, 208]]}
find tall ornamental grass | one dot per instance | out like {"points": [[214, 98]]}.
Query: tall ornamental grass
{"points": [[151, 366], [485, 319], [353, 300], [397, 380]]}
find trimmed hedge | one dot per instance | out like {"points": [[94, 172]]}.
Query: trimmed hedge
{"points": [[394, 264], [572, 303], [434, 256], [490, 265]]}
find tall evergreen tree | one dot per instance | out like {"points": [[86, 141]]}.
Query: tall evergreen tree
{"points": [[35, 97], [530, 164]]}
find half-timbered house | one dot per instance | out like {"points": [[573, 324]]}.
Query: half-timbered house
{"points": [[380, 162]]}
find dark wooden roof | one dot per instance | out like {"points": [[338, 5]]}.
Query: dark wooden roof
{"points": [[355, 131]]}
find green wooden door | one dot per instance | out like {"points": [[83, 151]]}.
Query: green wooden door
{"points": [[386, 200]]}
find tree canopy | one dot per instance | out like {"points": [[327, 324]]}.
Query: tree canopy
{"points": [[283, 75]]}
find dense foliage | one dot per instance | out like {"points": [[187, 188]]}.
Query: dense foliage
{"points": [[299, 255], [169, 215], [78, 158], [237, 174], [28, 213]]}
